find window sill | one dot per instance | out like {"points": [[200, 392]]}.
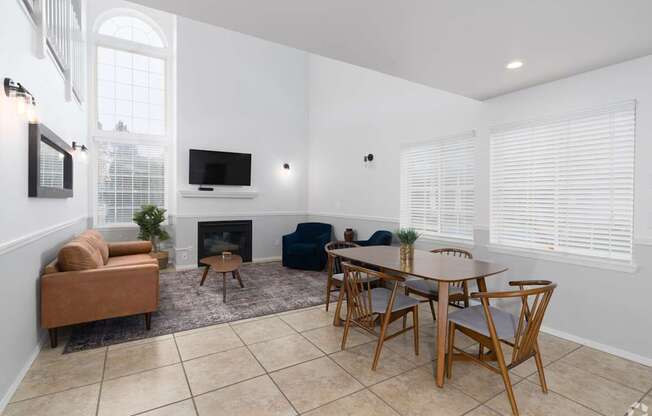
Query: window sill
{"points": [[457, 242], [565, 258]]}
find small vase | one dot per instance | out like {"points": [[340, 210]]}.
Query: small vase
{"points": [[348, 235], [407, 252]]}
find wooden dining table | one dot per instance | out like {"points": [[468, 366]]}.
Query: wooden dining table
{"points": [[442, 269]]}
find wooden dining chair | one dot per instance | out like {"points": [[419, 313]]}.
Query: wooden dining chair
{"points": [[490, 327], [367, 307], [335, 273], [458, 292]]}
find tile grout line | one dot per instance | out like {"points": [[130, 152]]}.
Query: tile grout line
{"points": [[183, 368], [592, 373], [265, 370], [365, 387], [99, 395]]}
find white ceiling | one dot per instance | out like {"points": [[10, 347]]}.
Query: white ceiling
{"points": [[460, 46]]}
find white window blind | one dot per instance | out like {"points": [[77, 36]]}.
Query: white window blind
{"points": [[129, 176], [437, 179], [566, 184]]}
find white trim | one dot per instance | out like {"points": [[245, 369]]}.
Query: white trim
{"points": [[37, 235], [355, 217], [565, 258], [220, 193], [457, 241], [599, 346], [643, 241], [243, 214], [4, 401]]}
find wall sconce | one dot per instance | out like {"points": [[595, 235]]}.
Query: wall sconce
{"points": [[286, 166], [369, 157], [81, 147], [24, 99]]}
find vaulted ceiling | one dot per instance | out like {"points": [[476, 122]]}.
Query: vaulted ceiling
{"points": [[461, 46]]}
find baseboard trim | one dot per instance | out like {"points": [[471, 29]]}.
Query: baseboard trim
{"points": [[19, 377], [12, 245], [599, 346], [185, 267]]}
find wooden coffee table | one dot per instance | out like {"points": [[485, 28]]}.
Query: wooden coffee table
{"points": [[223, 265]]}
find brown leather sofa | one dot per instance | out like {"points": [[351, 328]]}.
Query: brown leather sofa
{"points": [[92, 280]]}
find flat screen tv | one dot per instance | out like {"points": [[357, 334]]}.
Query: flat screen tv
{"points": [[219, 168]]}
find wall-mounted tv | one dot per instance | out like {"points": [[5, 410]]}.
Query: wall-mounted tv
{"points": [[219, 168]]}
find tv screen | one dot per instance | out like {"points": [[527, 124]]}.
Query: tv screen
{"points": [[219, 168]]}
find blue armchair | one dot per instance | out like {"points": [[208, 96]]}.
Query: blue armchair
{"points": [[304, 248], [379, 238]]}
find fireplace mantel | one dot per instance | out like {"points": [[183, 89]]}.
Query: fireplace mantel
{"points": [[220, 193]]}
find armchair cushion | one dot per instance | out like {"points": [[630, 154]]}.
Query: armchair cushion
{"points": [[301, 249]]}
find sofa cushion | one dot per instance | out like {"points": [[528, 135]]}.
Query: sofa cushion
{"points": [[79, 254], [96, 240], [130, 260], [300, 249]]}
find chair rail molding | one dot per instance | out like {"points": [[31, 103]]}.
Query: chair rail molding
{"points": [[30, 238]]}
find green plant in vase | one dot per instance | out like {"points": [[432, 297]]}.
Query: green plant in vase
{"points": [[149, 220], [407, 237]]}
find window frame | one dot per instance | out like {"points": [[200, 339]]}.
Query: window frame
{"points": [[458, 240], [565, 256], [165, 140]]}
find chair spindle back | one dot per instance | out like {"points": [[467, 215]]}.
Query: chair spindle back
{"points": [[335, 262], [357, 281]]}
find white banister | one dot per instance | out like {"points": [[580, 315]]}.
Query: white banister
{"points": [[59, 30]]}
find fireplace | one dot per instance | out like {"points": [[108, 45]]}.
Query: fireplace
{"points": [[214, 237]]}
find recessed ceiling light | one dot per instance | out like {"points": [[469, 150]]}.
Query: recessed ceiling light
{"points": [[514, 65]]}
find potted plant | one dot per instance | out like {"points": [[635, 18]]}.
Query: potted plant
{"points": [[149, 219], [407, 237]]}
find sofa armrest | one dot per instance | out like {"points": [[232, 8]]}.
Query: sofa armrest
{"points": [[89, 295], [125, 248]]}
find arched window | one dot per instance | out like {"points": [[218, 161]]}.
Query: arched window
{"points": [[132, 29], [130, 73], [131, 126]]}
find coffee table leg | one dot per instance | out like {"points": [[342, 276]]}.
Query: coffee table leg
{"points": [[204, 276], [442, 324], [236, 275], [224, 287]]}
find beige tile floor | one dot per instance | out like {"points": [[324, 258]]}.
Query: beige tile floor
{"points": [[291, 363]]}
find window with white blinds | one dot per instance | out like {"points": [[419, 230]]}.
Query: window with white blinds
{"points": [[437, 179], [566, 184], [129, 175]]}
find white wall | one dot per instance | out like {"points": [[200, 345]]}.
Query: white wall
{"points": [[242, 94], [602, 306], [30, 228], [354, 111]]}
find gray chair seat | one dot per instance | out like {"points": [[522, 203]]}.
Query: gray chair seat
{"points": [[431, 288], [380, 299], [474, 319], [340, 278]]}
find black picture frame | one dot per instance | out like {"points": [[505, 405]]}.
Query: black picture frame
{"points": [[40, 135]]}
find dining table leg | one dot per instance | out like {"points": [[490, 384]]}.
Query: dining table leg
{"points": [[442, 324]]}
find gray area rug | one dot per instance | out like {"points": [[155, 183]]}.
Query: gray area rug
{"points": [[269, 288]]}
